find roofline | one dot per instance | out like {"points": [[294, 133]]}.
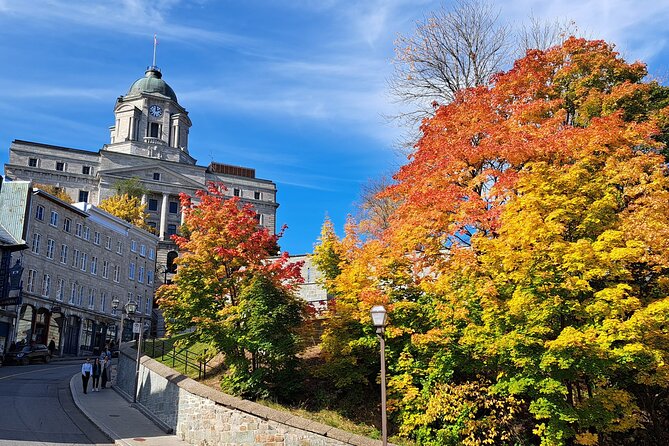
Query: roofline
{"points": [[57, 200], [51, 146]]}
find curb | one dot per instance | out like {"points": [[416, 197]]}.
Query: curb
{"points": [[101, 425]]}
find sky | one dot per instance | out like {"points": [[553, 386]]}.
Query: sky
{"points": [[296, 89]]}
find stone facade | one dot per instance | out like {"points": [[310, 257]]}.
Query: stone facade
{"points": [[203, 416], [78, 259], [148, 143]]}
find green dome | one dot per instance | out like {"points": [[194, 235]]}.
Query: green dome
{"points": [[152, 82]]}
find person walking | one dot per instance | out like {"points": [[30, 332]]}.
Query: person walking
{"points": [[52, 347], [97, 370], [86, 370], [106, 366]]}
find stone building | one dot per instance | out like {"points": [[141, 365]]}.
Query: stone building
{"points": [[149, 143], [78, 259]]}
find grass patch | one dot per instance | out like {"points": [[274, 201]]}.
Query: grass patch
{"points": [[184, 360]]}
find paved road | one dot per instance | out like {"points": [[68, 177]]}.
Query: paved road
{"points": [[36, 408]]}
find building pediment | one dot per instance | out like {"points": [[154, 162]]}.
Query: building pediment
{"points": [[169, 178]]}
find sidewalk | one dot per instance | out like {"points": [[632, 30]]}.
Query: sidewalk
{"points": [[117, 417]]}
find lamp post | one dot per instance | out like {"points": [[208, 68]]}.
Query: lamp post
{"points": [[379, 319]]}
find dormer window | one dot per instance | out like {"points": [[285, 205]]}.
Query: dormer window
{"points": [[86, 170], [156, 176], [60, 166]]}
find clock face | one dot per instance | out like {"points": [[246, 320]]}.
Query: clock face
{"points": [[156, 111]]}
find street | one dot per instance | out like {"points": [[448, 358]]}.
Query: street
{"points": [[37, 407]]}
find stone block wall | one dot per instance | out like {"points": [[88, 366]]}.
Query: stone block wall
{"points": [[203, 416]]}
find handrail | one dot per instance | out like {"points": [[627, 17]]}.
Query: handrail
{"points": [[180, 357]]}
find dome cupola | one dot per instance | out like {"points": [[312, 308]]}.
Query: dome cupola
{"points": [[152, 82]]}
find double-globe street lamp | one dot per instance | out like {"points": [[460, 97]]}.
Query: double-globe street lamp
{"points": [[379, 319]]}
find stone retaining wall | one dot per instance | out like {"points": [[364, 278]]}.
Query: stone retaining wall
{"points": [[204, 416]]}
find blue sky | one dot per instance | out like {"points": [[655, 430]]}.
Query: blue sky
{"points": [[295, 89]]}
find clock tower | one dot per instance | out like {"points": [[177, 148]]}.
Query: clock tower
{"points": [[150, 122]]}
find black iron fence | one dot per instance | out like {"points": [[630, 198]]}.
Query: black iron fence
{"points": [[184, 360]]}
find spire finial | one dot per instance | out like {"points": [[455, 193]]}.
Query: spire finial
{"points": [[155, 44]]}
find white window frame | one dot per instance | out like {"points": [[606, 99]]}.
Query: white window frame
{"points": [[50, 248], [60, 290], [34, 247], [46, 285], [53, 219], [63, 254]]}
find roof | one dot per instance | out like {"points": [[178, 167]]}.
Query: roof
{"points": [[14, 204], [152, 82]]}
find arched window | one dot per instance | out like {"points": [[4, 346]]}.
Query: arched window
{"points": [[171, 266]]}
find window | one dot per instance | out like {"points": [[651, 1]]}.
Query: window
{"points": [[83, 196], [103, 301], [39, 213], [80, 298], [31, 280], [142, 250], [86, 170], [149, 277], [94, 265], [131, 271], [53, 221], [91, 298], [152, 225], [73, 293], [133, 246], [78, 229], [119, 247], [50, 248], [105, 269], [153, 204], [87, 233], [60, 166], [257, 195], [152, 254], [46, 285], [236, 192], [258, 218], [171, 265], [117, 273], [171, 229], [174, 207], [147, 307], [35, 244], [96, 238], [140, 275], [75, 258], [156, 176], [108, 243], [32, 162], [139, 304], [63, 253], [67, 222], [60, 290], [154, 129], [84, 261]]}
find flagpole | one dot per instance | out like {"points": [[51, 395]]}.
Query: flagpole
{"points": [[155, 43]]}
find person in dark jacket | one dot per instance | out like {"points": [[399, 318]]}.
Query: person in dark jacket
{"points": [[52, 347], [97, 370]]}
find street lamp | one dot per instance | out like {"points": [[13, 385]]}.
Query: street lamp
{"points": [[128, 308], [139, 351], [379, 319]]}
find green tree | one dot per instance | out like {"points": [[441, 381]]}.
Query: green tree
{"points": [[222, 267]]}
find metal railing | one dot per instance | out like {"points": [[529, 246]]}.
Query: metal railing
{"points": [[184, 358]]}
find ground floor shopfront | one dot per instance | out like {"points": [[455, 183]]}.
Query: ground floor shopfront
{"points": [[74, 331]]}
